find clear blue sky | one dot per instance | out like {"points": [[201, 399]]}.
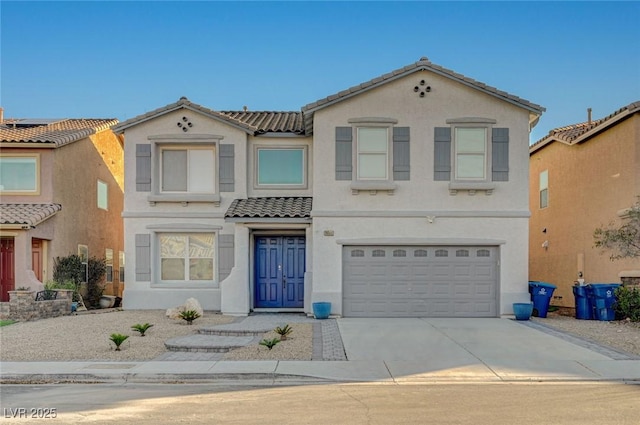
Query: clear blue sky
{"points": [[121, 59]]}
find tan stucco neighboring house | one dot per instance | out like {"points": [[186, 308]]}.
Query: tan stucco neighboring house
{"points": [[61, 193], [582, 176], [403, 196]]}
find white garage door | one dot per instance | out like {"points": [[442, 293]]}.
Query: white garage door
{"points": [[420, 281]]}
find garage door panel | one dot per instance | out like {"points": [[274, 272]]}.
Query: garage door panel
{"points": [[429, 281]]}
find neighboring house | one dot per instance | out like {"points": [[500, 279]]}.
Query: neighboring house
{"points": [[582, 177], [403, 196], [61, 189]]}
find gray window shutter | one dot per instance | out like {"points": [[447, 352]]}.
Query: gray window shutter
{"points": [[401, 153], [500, 154], [143, 167], [227, 168], [344, 159], [442, 154], [143, 257], [225, 256]]}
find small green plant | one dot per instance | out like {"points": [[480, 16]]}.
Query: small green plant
{"points": [[22, 288], [118, 339], [6, 322], [67, 284], [269, 343], [283, 331], [189, 316], [141, 328], [627, 305]]}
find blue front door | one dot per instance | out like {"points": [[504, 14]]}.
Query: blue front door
{"points": [[279, 271]]}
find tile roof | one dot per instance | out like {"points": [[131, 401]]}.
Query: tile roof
{"points": [[576, 133], [293, 207], [27, 214], [422, 64], [269, 121], [57, 133], [248, 121]]}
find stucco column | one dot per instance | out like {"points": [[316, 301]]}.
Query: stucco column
{"points": [[235, 292]]}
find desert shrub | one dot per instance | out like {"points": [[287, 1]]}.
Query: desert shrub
{"points": [[68, 268], [96, 272], [627, 303]]}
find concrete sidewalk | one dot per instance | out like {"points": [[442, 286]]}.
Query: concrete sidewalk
{"points": [[384, 351]]}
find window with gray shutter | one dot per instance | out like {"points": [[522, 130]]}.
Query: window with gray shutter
{"points": [[344, 147], [143, 167], [442, 154], [500, 154], [227, 168], [401, 153], [143, 257]]}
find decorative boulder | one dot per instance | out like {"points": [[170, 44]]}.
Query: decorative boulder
{"points": [[190, 304]]}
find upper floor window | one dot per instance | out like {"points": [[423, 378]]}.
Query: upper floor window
{"points": [[281, 167], [470, 153], [187, 169], [103, 195], [184, 168], [20, 174], [544, 189], [372, 157]]}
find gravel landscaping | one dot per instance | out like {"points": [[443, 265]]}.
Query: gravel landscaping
{"points": [[86, 337]]}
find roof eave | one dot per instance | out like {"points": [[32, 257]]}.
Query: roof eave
{"points": [[309, 110], [120, 128], [630, 110], [267, 220]]}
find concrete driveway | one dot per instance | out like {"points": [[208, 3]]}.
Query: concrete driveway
{"points": [[483, 349]]}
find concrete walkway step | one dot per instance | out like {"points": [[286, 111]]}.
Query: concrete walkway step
{"points": [[207, 343]]}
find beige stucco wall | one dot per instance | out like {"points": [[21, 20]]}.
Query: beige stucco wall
{"points": [[68, 176], [76, 170], [588, 184], [500, 218]]}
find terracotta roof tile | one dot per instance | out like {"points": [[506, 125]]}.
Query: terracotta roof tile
{"points": [[248, 121], [27, 214], [269, 121], [574, 133], [422, 64], [58, 133], [294, 207]]}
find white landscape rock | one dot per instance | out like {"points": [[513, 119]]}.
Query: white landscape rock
{"points": [[189, 304]]}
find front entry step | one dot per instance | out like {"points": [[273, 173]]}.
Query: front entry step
{"points": [[207, 343]]}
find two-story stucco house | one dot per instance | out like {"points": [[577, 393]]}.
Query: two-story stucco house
{"points": [[406, 195], [61, 189], [583, 176]]}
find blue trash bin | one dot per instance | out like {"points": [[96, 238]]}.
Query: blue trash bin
{"points": [[541, 293], [584, 309], [602, 298]]}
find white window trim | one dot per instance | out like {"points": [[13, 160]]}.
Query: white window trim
{"points": [[182, 228], [24, 192], [541, 189], [472, 185], [86, 262], [106, 258], [106, 185], [305, 167], [182, 141], [372, 185]]}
